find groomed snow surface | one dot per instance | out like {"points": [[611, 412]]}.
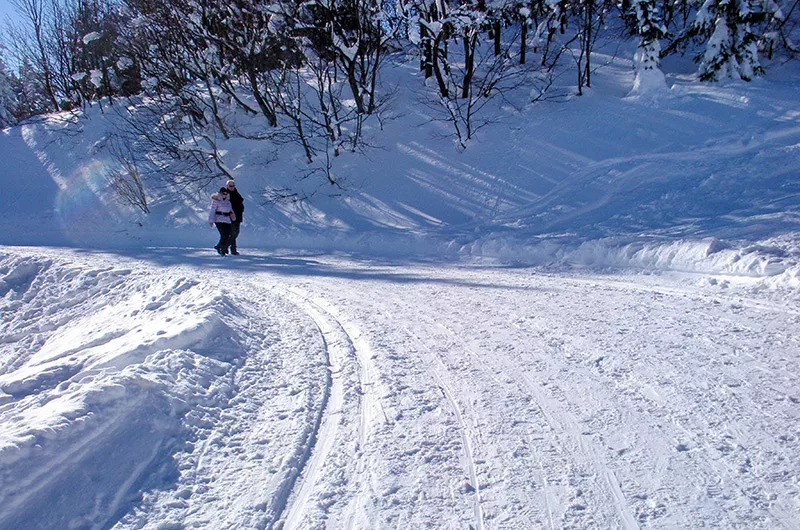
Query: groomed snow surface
{"points": [[288, 391], [588, 319]]}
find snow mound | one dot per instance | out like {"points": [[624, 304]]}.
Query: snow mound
{"points": [[97, 368], [774, 262]]}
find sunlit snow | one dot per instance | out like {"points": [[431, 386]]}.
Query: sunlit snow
{"points": [[589, 318]]}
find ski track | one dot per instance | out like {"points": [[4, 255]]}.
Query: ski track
{"points": [[560, 420], [577, 441], [467, 397], [441, 367], [350, 414], [371, 410], [338, 348]]}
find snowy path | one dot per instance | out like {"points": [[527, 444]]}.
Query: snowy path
{"points": [[184, 391]]}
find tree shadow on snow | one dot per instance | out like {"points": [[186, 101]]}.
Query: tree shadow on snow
{"points": [[340, 265]]}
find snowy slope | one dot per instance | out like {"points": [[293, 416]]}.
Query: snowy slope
{"points": [[588, 319], [702, 177]]}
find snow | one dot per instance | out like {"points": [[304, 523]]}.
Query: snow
{"points": [[96, 77], [125, 63], [589, 318], [91, 37]]}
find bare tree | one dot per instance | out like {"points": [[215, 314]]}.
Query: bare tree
{"points": [[470, 73], [33, 44], [8, 97], [782, 31], [170, 149], [126, 180], [589, 18]]}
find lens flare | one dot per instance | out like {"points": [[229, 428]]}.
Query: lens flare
{"points": [[78, 204]]}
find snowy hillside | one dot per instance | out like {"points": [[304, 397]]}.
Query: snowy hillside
{"points": [[702, 177], [589, 318]]}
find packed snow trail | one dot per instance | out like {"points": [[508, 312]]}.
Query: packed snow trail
{"points": [[180, 389]]}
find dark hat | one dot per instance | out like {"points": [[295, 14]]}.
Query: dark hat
{"points": [[224, 190]]}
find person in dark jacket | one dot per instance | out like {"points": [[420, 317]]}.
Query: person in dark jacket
{"points": [[221, 214], [237, 202]]}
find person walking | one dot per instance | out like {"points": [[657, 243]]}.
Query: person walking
{"points": [[222, 215], [237, 202]]}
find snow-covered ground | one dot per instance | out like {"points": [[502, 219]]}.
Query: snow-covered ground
{"points": [[588, 319], [304, 391]]}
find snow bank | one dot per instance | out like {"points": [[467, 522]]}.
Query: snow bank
{"points": [[97, 369], [776, 261], [125, 390]]}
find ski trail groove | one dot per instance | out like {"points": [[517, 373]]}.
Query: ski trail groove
{"points": [[320, 440], [343, 342], [564, 423], [469, 460], [468, 454], [371, 410], [301, 456]]}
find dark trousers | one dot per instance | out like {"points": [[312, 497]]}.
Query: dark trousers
{"points": [[224, 236], [234, 234]]}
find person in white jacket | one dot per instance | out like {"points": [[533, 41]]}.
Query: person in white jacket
{"points": [[221, 214]]}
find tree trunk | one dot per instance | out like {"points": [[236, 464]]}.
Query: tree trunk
{"points": [[437, 69], [427, 52], [469, 67], [214, 109], [588, 43], [262, 104]]}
